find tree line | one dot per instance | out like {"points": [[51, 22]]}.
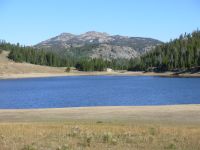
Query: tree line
{"points": [[28, 54], [32, 55], [178, 54], [99, 64]]}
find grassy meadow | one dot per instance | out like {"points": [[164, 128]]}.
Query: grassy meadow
{"points": [[98, 135], [99, 128]]}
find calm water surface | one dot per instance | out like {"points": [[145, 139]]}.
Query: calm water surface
{"points": [[98, 91]]}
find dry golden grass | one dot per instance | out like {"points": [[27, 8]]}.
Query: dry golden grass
{"points": [[99, 128], [98, 135]]}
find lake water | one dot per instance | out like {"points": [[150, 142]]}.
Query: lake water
{"points": [[98, 91]]}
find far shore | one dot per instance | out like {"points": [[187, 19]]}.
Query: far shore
{"points": [[13, 70], [95, 73]]}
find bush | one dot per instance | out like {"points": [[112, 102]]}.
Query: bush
{"points": [[64, 147], [88, 140], [152, 131], [171, 146], [68, 69], [28, 147], [107, 137], [114, 141]]}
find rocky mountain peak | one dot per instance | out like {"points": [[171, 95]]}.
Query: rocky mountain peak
{"points": [[64, 37], [98, 37], [99, 44], [95, 34], [66, 34]]}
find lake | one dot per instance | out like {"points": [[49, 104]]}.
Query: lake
{"points": [[54, 92]]}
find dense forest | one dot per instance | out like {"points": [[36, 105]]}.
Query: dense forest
{"points": [[28, 54], [99, 64], [178, 54], [38, 56]]}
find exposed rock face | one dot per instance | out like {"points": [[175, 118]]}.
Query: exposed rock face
{"points": [[113, 51], [96, 44]]}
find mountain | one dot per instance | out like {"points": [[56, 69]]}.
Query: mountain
{"points": [[98, 45]]}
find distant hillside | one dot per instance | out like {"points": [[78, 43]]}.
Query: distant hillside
{"points": [[98, 45], [9, 67], [41, 57], [177, 55]]}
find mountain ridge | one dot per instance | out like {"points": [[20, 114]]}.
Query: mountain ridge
{"points": [[104, 45]]}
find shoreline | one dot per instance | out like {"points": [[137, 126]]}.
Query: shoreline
{"points": [[189, 113], [99, 107], [114, 73]]}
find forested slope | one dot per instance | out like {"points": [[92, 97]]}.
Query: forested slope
{"points": [[39, 56], [178, 54]]}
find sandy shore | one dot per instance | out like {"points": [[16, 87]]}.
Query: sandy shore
{"points": [[114, 73], [170, 114], [78, 73]]}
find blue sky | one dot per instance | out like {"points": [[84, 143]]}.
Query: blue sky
{"points": [[31, 21]]}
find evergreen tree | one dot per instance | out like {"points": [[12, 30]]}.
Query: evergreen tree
{"points": [[178, 54]]}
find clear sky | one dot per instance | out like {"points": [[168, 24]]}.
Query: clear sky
{"points": [[31, 21]]}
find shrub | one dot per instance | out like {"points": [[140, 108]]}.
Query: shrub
{"points": [[64, 147], [75, 131], [114, 141], [68, 69], [87, 140], [99, 122], [28, 147], [107, 137], [152, 131], [171, 146]]}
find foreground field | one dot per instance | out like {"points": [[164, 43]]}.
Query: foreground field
{"points": [[151, 127], [98, 135]]}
